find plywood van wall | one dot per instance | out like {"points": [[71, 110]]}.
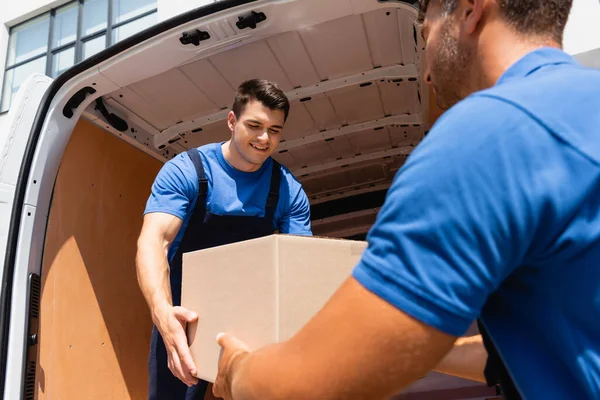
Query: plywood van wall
{"points": [[95, 326]]}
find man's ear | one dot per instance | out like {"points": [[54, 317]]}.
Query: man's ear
{"points": [[472, 14], [231, 120]]}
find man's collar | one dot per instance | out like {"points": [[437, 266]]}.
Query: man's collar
{"points": [[533, 61]]}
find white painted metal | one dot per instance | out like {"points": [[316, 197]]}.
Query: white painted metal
{"points": [[333, 133], [55, 134], [12, 147], [401, 151], [22, 116], [373, 77]]}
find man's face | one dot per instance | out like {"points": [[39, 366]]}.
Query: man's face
{"points": [[449, 61], [257, 132]]}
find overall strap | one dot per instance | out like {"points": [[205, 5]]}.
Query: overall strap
{"points": [[495, 372], [194, 155], [273, 197], [188, 242]]}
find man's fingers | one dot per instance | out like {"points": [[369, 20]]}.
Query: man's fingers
{"points": [[185, 358], [175, 367], [230, 342], [216, 389], [179, 368], [183, 314], [233, 349]]}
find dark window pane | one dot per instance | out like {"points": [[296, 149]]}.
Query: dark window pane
{"points": [[65, 25], [124, 31], [95, 15], [28, 40], [13, 78], [127, 9], [62, 60], [93, 46]]}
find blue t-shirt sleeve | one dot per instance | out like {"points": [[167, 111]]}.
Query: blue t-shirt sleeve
{"points": [[457, 219], [295, 219], [174, 188]]}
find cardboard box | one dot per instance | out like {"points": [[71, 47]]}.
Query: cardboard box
{"points": [[262, 290]]}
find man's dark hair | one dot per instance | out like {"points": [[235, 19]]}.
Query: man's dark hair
{"points": [[266, 92], [541, 18]]}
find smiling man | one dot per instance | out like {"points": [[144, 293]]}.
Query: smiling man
{"points": [[495, 216], [217, 194]]}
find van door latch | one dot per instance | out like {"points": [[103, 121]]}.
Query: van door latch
{"points": [[250, 20], [194, 37]]}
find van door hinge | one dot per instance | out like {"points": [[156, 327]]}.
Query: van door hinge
{"points": [[250, 20], [194, 37], [35, 292]]}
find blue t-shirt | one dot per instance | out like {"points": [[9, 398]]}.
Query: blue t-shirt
{"points": [[230, 192], [497, 214]]}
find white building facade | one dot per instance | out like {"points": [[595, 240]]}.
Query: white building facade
{"points": [[51, 36]]}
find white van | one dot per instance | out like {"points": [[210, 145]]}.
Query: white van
{"points": [[77, 166]]}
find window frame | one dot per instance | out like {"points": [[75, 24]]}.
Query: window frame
{"points": [[80, 39]]}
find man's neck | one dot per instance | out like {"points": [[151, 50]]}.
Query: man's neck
{"points": [[497, 55], [235, 159]]}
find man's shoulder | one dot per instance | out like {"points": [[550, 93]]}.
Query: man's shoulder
{"points": [[478, 118], [208, 155], [209, 151], [183, 165], [563, 100], [288, 176], [475, 138]]}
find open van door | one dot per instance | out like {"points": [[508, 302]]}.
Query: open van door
{"points": [[41, 121], [13, 143]]}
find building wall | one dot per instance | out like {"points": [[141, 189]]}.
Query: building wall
{"points": [[582, 33], [16, 12]]}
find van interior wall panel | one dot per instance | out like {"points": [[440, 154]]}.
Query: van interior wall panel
{"points": [[95, 326]]}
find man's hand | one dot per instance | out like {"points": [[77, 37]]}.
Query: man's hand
{"points": [[158, 232], [171, 323], [234, 351]]}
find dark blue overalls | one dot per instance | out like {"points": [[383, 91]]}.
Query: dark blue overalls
{"points": [[204, 230]]}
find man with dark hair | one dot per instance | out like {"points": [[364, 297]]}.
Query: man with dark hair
{"points": [[213, 195], [495, 216]]}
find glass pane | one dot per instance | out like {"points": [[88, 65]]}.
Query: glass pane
{"points": [[95, 16], [63, 60], [28, 40], [93, 46], [13, 78], [124, 31], [65, 25], [127, 9]]}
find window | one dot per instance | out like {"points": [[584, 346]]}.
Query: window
{"points": [[55, 41]]}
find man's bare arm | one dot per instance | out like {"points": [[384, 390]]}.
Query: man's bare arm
{"points": [[158, 232], [357, 347], [466, 359]]}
